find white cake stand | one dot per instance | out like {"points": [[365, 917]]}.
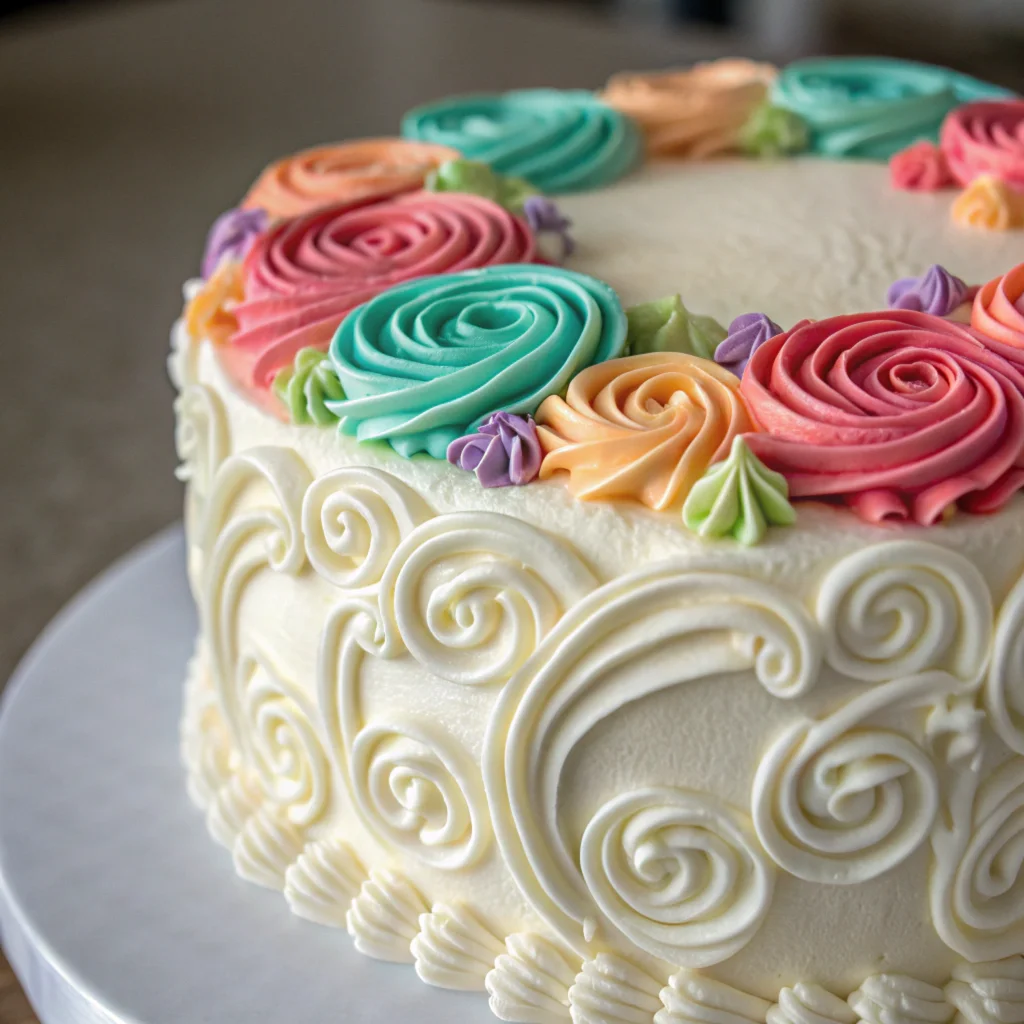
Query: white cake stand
{"points": [[115, 905]]}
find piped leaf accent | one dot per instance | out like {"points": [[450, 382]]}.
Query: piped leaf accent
{"points": [[666, 325], [306, 385]]}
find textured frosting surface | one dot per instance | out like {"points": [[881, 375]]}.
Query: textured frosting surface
{"points": [[571, 753], [736, 236]]}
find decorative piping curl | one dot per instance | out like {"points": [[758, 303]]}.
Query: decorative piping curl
{"points": [[713, 623], [903, 607], [1004, 694]]}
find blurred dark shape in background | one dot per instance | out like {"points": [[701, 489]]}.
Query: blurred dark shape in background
{"points": [[985, 37]]}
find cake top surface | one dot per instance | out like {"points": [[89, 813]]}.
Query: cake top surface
{"points": [[770, 292]]}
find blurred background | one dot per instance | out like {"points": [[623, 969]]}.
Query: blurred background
{"points": [[126, 126]]}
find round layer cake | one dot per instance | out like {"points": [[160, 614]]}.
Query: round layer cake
{"points": [[614, 602]]}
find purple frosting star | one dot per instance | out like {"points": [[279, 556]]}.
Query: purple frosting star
{"points": [[544, 216], [747, 333], [936, 292], [505, 450], [232, 235]]}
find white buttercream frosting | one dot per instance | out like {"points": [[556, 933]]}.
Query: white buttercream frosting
{"points": [[322, 883], [530, 981], [988, 993], [691, 998], [384, 918], [807, 1003], [611, 990], [897, 999], [265, 848], [454, 949]]}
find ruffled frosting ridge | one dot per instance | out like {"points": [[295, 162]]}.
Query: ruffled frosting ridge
{"points": [[305, 274], [344, 173], [872, 107], [693, 113], [558, 141], [425, 362], [644, 427], [899, 413], [986, 138]]}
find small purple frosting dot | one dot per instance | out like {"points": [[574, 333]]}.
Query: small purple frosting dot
{"points": [[543, 215], [504, 451], [747, 333], [232, 235], [936, 292]]}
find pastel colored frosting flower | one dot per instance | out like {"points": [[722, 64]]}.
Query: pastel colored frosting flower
{"points": [[773, 131], [998, 314], [503, 451], [692, 113], [558, 141], [304, 275], [872, 107], [232, 236], [900, 414], [739, 497], [305, 387], [547, 222], [986, 138], [989, 204], [644, 427], [747, 333], [210, 313], [479, 179], [666, 325], [936, 291], [429, 360], [344, 173], [921, 167]]}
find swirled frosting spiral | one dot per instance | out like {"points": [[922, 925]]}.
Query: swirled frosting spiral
{"points": [[425, 362], [344, 173], [307, 273], [558, 141], [873, 107], [986, 138], [899, 413], [694, 113], [998, 313], [643, 427]]}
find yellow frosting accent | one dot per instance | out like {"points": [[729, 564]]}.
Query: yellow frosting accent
{"points": [[990, 204], [208, 314], [695, 113], [644, 427]]}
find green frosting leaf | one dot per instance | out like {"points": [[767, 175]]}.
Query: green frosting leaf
{"points": [[774, 131], [666, 325], [477, 178], [739, 497], [306, 385]]}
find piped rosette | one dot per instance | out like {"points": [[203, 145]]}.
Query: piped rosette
{"points": [[986, 138], [302, 277], [694, 113], [998, 315], [900, 414], [344, 173], [644, 427]]}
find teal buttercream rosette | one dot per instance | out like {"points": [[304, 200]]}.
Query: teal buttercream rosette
{"points": [[427, 361], [559, 141], [872, 107]]}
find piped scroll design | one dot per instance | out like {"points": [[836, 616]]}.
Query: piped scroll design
{"points": [[645, 632], [1004, 691], [840, 800], [904, 607], [469, 596], [977, 884]]}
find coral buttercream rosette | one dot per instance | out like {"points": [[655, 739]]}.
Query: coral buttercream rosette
{"points": [[644, 427], [303, 276], [694, 113], [430, 360], [900, 414], [344, 173], [986, 139], [998, 314]]}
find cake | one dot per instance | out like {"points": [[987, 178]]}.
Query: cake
{"points": [[603, 515]]}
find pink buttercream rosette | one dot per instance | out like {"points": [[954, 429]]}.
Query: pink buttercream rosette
{"points": [[900, 414], [303, 276]]}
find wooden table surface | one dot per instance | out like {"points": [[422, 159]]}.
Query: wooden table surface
{"points": [[125, 130]]}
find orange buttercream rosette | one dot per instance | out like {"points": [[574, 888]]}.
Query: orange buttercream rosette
{"points": [[998, 313], [695, 113], [346, 172], [644, 427], [210, 312]]}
